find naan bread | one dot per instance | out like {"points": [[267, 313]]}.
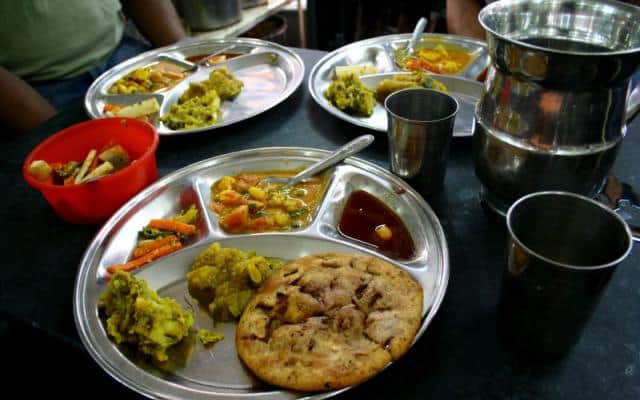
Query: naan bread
{"points": [[328, 321]]}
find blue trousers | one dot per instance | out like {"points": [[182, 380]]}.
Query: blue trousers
{"points": [[60, 93]]}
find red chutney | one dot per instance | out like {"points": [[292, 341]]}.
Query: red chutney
{"points": [[367, 219]]}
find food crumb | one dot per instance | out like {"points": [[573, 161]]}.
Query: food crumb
{"points": [[209, 338]]}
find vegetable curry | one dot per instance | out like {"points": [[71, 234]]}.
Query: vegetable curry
{"points": [[439, 60], [152, 78], [246, 204]]}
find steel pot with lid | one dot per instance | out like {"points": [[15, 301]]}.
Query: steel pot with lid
{"points": [[209, 14], [557, 96]]}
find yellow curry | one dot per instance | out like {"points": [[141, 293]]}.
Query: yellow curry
{"points": [[439, 60], [246, 204]]}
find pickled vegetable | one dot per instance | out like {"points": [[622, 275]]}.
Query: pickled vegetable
{"points": [[142, 110], [40, 170], [74, 172], [161, 237]]}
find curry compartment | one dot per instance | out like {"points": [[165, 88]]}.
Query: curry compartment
{"points": [[239, 203], [470, 55], [391, 226]]}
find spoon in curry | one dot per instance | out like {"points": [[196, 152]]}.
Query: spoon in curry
{"points": [[343, 152], [205, 60], [416, 36]]}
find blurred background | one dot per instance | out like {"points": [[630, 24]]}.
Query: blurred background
{"points": [[315, 24]]}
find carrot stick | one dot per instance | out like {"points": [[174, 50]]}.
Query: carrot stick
{"points": [[147, 258], [148, 247], [111, 107], [94, 164], [173, 226]]}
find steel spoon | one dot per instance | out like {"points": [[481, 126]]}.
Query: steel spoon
{"points": [[343, 152], [203, 61], [417, 35]]}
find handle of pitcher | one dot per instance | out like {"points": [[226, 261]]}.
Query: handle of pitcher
{"points": [[633, 101], [623, 199]]}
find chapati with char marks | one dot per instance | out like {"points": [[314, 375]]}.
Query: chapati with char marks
{"points": [[328, 321]]}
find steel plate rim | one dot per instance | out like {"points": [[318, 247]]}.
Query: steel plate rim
{"points": [[333, 110], [402, 36], [363, 43], [299, 77], [80, 312]]}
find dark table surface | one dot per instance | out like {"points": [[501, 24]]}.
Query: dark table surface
{"points": [[459, 356]]}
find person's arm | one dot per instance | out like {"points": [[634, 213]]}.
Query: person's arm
{"points": [[21, 106], [462, 18], [157, 20]]}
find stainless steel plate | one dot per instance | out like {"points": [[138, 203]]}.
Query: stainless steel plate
{"points": [[380, 52], [218, 373], [270, 74]]}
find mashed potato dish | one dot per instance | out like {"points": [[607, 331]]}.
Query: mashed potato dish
{"points": [[199, 105], [350, 95], [224, 279]]}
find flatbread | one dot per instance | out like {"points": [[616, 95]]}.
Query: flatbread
{"points": [[328, 321]]}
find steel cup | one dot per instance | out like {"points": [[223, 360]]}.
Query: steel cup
{"points": [[563, 249], [420, 128]]}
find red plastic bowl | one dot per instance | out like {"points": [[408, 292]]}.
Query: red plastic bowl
{"points": [[96, 201]]}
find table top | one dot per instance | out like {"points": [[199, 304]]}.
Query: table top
{"points": [[459, 356]]}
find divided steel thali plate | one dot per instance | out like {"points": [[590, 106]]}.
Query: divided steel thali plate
{"points": [[381, 52], [270, 73], [218, 373]]}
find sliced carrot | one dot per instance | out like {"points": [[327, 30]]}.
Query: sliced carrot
{"points": [[173, 226], [236, 219], [231, 198], [261, 224], [111, 107], [147, 258], [148, 247], [69, 180]]}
